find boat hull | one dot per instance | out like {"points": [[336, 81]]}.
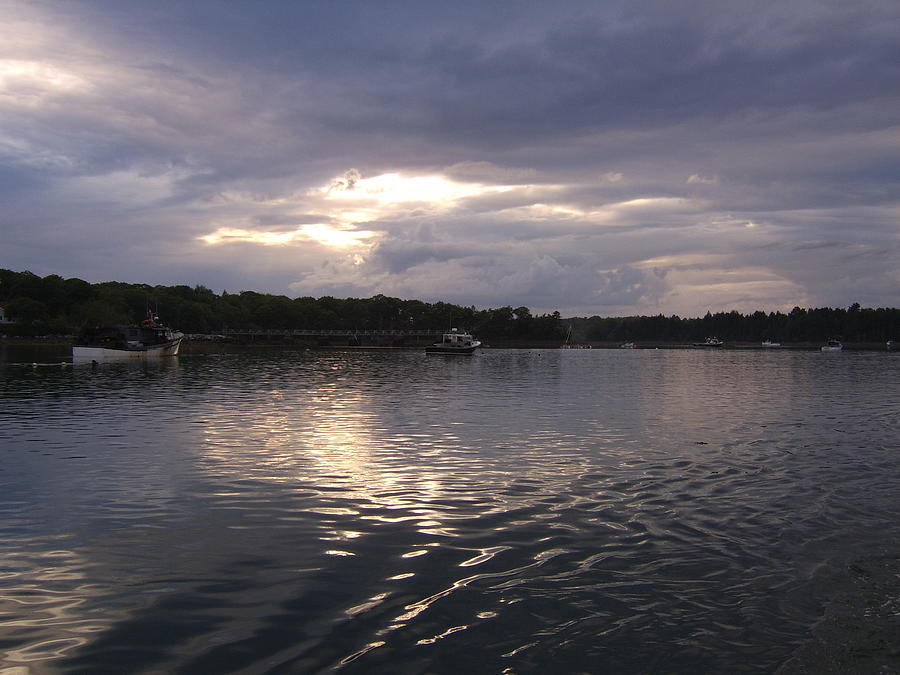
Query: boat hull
{"points": [[88, 353], [451, 351]]}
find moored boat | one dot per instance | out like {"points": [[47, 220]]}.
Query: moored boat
{"points": [[453, 343], [628, 345], [833, 346], [149, 340], [568, 344], [710, 342], [769, 344]]}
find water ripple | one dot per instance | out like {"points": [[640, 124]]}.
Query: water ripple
{"points": [[383, 512]]}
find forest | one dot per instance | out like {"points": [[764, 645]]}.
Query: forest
{"points": [[57, 306], [854, 324], [52, 305]]}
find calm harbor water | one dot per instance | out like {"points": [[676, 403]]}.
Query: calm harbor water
{"points": [[517, 511]]}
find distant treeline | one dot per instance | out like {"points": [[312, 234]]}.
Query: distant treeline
{"points": [[53, 305], [854, 324]]}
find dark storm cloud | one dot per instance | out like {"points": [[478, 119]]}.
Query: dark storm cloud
{"points": [[645, 71]]}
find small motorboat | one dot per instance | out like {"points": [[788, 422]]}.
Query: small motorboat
{"points": [[453, 343], [628, 345], [770, 345], [833, 346], [710, 342]]}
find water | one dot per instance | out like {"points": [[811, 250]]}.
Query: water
{"points": [[385, 512]]}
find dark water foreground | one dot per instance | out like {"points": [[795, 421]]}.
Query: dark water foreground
{"points": [[518, 511]]}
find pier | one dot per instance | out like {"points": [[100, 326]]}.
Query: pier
{"points": [[350, 337]]}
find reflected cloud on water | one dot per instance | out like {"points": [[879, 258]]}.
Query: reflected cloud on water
{"points": [[354, 510]]}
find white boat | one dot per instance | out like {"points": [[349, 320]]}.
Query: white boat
{"points": [[453, 343], [149, 340], [770, 344], [573, 345], [833, 346], [628, 345], [710, 342]]}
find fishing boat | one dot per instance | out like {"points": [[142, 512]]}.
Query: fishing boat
{"points": [[833, 346], [453, 343], [710, 342], [148, 340]]}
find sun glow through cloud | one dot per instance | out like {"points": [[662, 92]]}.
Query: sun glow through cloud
{"points": [[392, 188], [318, 233], [15, 71], [340, 178], [350, 200]]}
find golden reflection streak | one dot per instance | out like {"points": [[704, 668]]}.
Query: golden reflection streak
{"points": [[333, 445], [42, 621], [485, 555], [441, 636], [365, 650], [417, 608], [372, 602]]}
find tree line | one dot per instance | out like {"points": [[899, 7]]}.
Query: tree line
{"points": [[854, 324], [53, 305]]}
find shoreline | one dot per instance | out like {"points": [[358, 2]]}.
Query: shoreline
{"points": [[208, 345]]}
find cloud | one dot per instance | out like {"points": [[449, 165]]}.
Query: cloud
{"points": [[697, 179], [589, 158]]}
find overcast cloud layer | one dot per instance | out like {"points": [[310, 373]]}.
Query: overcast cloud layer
{"points": [[596, 158]]}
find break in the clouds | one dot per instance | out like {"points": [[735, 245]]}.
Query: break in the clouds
{"points": [[595, 158]]}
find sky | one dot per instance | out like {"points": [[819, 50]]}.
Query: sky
{"points": [[592, 158]]}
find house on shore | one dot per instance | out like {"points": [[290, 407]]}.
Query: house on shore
{"points": [[4, 317]]}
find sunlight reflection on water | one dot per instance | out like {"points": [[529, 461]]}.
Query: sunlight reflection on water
{"points": [[384, 512]]}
